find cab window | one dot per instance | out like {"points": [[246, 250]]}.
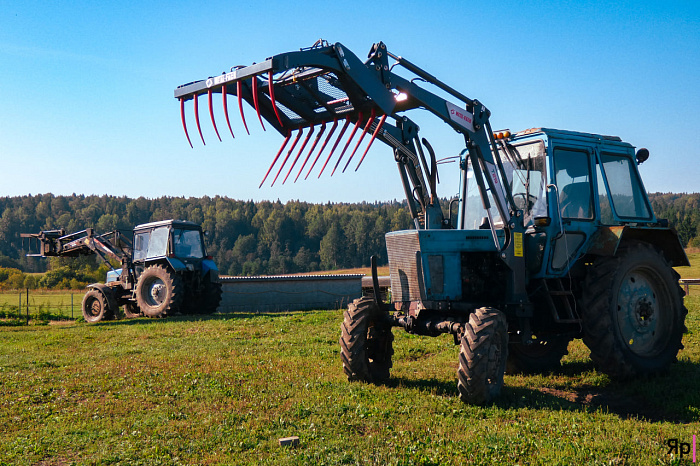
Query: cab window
{"points": [[625, 189], [573, 179]]}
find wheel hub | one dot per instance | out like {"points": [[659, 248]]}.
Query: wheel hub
{"points": [[158, 292], [638, 313]]}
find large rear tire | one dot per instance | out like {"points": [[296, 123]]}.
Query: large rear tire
{"points": [[482, 356], [211, 298], [96, 306], [158, 292], [634, 317], [366, 342]]}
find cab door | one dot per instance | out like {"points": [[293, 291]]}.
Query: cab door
{"points": [[573, 201]]}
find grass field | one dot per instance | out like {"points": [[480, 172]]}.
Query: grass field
{"points": [[224, 389]]}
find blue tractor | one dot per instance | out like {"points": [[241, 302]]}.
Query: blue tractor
{"points": [[552, 236], [164, 269]]}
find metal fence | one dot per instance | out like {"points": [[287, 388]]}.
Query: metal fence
{"points": [[41, 304]]}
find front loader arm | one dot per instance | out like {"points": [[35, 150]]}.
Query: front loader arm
{"points": [[55, 243], [311, 95]]}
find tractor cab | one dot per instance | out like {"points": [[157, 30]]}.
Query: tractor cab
{"points": [[172, 240]]}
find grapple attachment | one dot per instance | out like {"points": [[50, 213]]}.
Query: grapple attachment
{"points": [[302, 93], [313, 96]]}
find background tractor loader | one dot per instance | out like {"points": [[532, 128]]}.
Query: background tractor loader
{"points": [[164, 269]]}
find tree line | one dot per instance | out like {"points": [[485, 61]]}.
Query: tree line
{"points": [[244, 237]]}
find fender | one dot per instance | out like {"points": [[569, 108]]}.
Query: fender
{"points": [[607, 240], [108, 293]]}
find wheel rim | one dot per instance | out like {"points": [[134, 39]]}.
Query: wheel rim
{"points": [[94, 307], [641, 301], [156, 292]]}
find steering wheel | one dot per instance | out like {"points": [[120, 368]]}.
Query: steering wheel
{"points": [[524, 201]]}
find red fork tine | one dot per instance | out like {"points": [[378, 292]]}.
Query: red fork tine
{"points": [[301, 149], [296, 140], [352, 135], [184, 124], [255, 100], [211, 114], [272, 98], [328, 138], [286, 140], [223, 93], [196, 117], [239, 91], [374, 135], [311, 151], [362, 136], [340, 136]]}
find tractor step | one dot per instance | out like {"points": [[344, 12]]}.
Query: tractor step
{"points": [[562, 302]]}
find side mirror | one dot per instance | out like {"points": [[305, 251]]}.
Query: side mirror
{"points": [[642, 155]]}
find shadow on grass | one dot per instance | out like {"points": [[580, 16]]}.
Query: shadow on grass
{"points": [[671, 398]]}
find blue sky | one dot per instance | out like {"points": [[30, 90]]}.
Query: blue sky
{"points": [[87, 101]]}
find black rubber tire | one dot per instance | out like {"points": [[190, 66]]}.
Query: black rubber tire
{"points": [[540, 357], [210, 298], [633, 312], [96, 306], [482, 356], [158, 292], [366, 342], [131, 310]]}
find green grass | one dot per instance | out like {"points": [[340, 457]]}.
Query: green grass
{"points": [[223, 390]]}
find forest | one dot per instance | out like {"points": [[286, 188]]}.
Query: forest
{"points": [[244, 237]]}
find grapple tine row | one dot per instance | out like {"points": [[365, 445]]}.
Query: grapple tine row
{"points": [[211, 113], [347, 144], [311, 151], [239, 92], [374, 135], [254, 79], [184, 123], [296, 140], [362, 136], [196, 118], [228, 122], [340, 136], [328, 138], [286, 140], [301, 149]]}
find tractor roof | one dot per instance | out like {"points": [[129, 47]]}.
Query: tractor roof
{"points": [[175, 223]]}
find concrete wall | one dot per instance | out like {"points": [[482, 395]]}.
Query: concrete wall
{"points": [[289, 292]]}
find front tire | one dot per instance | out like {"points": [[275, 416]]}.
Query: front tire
{"points": [[158, 292], [96, 306], [482, 356], [366, 342], [634, 317]]}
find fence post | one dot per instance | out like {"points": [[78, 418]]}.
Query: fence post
{"points": [[71, 305], [27, 305]]}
